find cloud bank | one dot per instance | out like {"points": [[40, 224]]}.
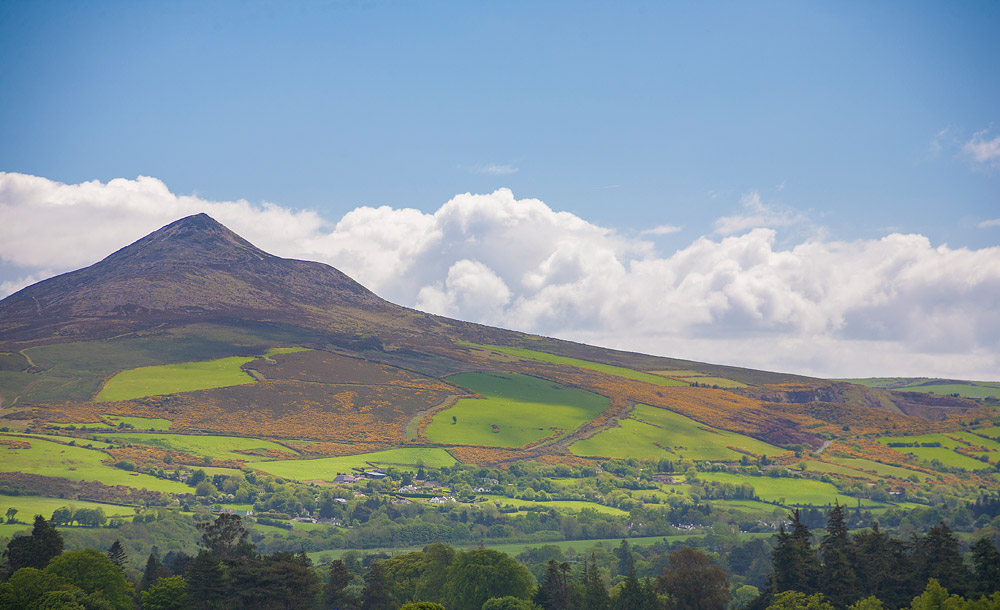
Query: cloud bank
{"points": [[893, 306]]}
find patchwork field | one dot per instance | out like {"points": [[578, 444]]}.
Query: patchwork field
{"points": [[700, 378], [946, 453], [215, 447], [516, 410], [881, 469], [174, 378], [572, 505], [584, 364], [29, 506], [328, 468], [788, 491], [77, 464], [968, 389], [652, 433]]}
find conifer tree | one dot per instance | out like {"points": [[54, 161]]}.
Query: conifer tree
{"points": [[937, 556], [35, 550], [839, 580], [335, 595], [376, 595], [986, 564], [595, 594], [117, 554], [555, 591], [208, 583]]}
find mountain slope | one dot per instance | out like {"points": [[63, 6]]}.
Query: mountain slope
{"points": [[194, 290]]}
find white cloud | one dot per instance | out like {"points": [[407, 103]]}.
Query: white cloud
{"points": [[983, 150], [757, 214], [494, 169], [662, 230], [988, 224], [891, 306]]}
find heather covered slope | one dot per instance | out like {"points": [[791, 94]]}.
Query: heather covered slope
{"points": [[194, 291]]}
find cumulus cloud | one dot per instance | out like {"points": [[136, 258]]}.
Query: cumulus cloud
{"points": [[898, 305], [982, 149]]}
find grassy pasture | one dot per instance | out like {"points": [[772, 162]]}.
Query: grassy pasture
{"points": [[524, 409], [173, 378], [700, 378], [946, 456], [29, 506], [562, 505], [328, 468], [141, 423], [583, 364], [992, 432], [788, 491], [882, 469], [827, 467], [968, 389], [215, 447], [82, 442], [975, 439], [650, 431], [77, 464]]}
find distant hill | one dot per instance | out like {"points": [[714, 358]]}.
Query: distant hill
{"points": [[933, 385], [372, 371]]}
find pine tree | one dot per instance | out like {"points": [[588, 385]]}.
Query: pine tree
{"points": [[376, 594], [35, 550], [986, 563], [884, 568], [117, 554], [595, 594], [554, 590], [335, 595], [208, 583], [154, 570], [795, 563], [839, 580], [937, 556]]}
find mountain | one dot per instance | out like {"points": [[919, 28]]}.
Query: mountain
{"points": [[196, 291]]}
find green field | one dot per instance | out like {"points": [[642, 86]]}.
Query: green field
{"points": [[29, 506], [173, 378], [652, 433], [945, 453], [141, 423], [327, 468], [82, 442], [788, 491], [77, 464], [572, 505], [610, 369], [215, 447], [882, 469], [968, 389], [700, 378], [523, 410]]}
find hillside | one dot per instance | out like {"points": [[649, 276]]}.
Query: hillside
{"points": [[192, 349]]}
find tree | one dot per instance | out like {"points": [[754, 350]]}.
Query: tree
{"points": [[36, 550], [693, 582], [634, 595], [477, 575], [117, 554], [742, 596], [335, 593], [937, 556], [869, 603], [624, 555], [795, 600], [884, 568], [26, 587], [208, 583], [508, 602], [839, 580], [93, 572], [936, 597], [376, 595], [62, 516], [986, 565], [169, 593], [154, 570], [421, 606], [10, 514], [595, 594], [226, 538], [795, 562], [555, 590]]}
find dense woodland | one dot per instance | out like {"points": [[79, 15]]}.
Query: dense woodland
{"points": [[865, 570]]}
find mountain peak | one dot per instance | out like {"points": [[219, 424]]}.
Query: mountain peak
{"points": [[189, 268]]}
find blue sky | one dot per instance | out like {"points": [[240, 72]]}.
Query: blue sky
{"points": [[839, 122]]}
